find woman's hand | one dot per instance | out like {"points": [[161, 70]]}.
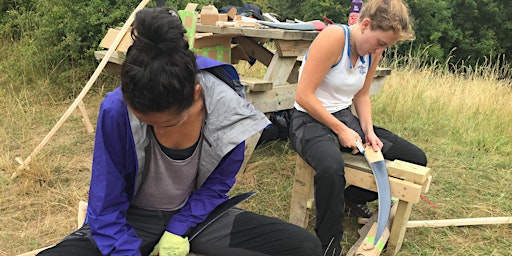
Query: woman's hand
{"points": [[348, 138], [374, 141]]}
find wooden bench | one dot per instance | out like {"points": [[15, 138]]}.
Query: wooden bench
{"points": [[407, 181]]}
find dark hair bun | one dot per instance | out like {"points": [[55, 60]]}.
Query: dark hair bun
{"points": [[159, 31]]}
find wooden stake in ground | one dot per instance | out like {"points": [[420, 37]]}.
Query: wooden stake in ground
{"points": [[459, 222], [78, 100]]}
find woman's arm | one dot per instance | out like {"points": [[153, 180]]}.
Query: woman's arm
{"points": [[108, 196], [324, 52], [212, 193], [363, 106]]}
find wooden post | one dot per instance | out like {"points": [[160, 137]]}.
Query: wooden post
{"points": [[97, 72], [396, 238], [301, 193]]}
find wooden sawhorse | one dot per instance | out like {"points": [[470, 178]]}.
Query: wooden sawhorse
{"points": [[407, 181]]}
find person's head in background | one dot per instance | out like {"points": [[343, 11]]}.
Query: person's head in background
{"points": [[381, 24], [159, 72]]}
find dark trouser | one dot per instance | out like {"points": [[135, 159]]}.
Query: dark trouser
{"points": [[237, 232], [319, 146]]}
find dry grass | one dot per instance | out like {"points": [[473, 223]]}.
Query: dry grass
{"points": [[463, 123]]}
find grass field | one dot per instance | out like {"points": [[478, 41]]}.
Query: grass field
{"points": [[464, 123]]}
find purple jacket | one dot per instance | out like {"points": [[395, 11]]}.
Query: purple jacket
{"points": [[119, 157]]}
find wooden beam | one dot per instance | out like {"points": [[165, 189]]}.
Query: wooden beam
{"points": [[302, 192], [250, 145], [398, 169], [365, 231], [279, 69], [260, 33], [279, 98], [408, 171], [254, 49], [256, 84], [35, 252], [398, 228], [367, 248], [403, 190], [459, 222], [82, 213], [292, 48]]}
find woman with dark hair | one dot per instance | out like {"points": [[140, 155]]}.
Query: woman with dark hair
{"points": [[169, 143]]}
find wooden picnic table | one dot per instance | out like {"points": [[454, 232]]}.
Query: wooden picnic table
{"points": [[282, 63]]}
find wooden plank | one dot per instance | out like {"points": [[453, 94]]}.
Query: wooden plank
{"points": [[396, 238], [256, 84], [290, 48], [403, 190], [279, 98], [260, 33], [99, 55], [82, 213], [382, 72], [250, 145], [35, 252], [294, 74], [363, 232], [279, 69], [459, 222], [301, 193], [397, 168], [86, 120], [409, 171], [426, 185], [238, 53], [367, 248], [254, 49]]}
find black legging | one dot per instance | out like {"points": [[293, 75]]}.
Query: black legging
{"points": [[237, 232]]}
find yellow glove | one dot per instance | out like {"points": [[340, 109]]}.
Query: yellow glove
{"points": [[171, 245]]}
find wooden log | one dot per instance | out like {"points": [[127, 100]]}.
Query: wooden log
{"points": [[459, 222]]}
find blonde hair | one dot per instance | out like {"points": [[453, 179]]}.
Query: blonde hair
{"points": [[389, 15]]}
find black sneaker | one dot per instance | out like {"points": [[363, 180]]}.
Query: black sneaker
{"points": [[359, 210]]}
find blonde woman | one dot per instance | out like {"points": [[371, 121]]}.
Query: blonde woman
{"points": [[336, 73]]}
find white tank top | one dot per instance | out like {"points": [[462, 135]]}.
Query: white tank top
{"points": [[342, 81]]}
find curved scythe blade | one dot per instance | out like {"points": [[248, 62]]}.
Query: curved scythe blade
{"points": [[380, 172]]}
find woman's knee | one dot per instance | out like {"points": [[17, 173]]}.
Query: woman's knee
{"points": [[330, 168]]}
